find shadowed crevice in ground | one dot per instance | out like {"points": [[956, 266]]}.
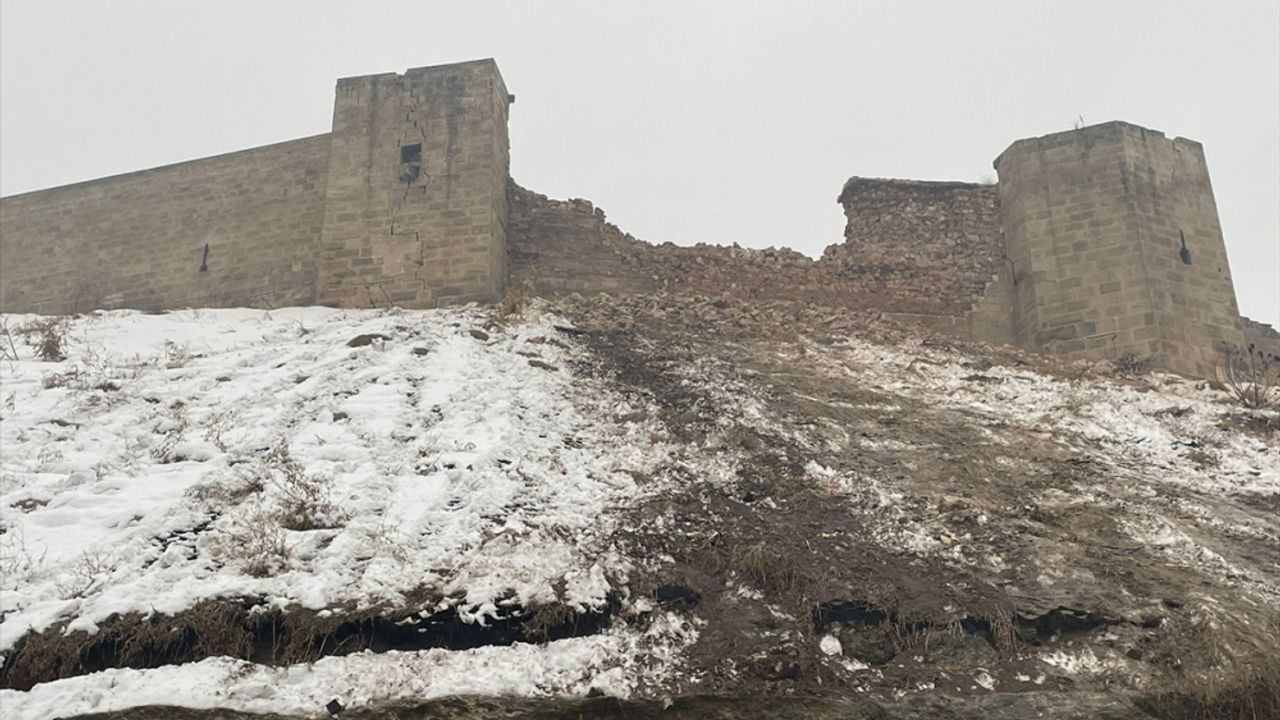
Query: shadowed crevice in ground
{"points": [[248, 629]]}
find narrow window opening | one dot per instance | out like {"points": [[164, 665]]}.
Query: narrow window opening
{"points": [[410, 162], [1184, 253]]}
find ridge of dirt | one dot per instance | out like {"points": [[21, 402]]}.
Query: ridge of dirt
{"points": [[249, 629]]}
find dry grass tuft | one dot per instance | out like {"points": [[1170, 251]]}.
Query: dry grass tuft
{"points": [[1251, 376], [765, 568], [48, 336], [1253, 694], [546, 618], [304, 499], [1131, 365], [515, 299], [259, 547]]}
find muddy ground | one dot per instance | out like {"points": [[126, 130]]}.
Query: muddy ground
{"points": [[770, 563]]}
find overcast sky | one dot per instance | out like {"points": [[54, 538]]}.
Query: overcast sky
{"points": [[686, 121]]}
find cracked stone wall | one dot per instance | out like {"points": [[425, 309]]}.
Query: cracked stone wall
{"points": [[139, 240], [415, 206]]}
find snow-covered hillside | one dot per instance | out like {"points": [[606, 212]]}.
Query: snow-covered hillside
{"points": [[172, 459], [657, 498]]}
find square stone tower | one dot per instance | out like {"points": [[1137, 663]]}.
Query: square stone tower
{"points": [[416, 198], [1113, 237]]}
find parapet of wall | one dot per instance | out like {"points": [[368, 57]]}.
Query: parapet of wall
{"points": [[138, 240]]}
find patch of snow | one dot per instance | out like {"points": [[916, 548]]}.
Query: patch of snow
{"points": [[830, 645], [1075, 663]]}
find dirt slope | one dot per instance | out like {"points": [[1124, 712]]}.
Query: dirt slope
{"points": [[891, 515]]}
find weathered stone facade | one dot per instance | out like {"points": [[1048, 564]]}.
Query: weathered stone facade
{"points": [[139, 240], [1097, 242], [416, 204], [403, 203], [1113, 236], [935, 243]]}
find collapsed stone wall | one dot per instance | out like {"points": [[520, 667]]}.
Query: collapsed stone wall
{"points": [[933, 247], [560, 247], [139, 240], [936, 262]]}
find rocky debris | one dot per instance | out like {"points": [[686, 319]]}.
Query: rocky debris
{"points": [[926, 264], [983, 575]]}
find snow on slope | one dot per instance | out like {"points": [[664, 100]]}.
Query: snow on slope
{"points": [[1162, 440], [138, 472]]}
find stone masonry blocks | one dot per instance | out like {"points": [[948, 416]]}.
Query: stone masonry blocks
{"points": [[415, 214], [1095, 223]]}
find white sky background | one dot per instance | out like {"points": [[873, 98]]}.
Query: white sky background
{"points": [[686, 121]]}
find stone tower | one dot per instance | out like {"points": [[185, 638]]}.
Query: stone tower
{"points": [[415, 207], [1113, 239]]}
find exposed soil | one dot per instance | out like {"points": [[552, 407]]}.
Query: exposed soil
{"points": [[770, 563]]}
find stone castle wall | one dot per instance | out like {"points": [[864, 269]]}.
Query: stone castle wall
{"points": [[1097, 242], [138, 240], [1095, 221], [416, 204], [404, 203]]}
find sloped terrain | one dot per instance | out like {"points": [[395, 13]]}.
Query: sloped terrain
{"points": [[692, 507]]}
